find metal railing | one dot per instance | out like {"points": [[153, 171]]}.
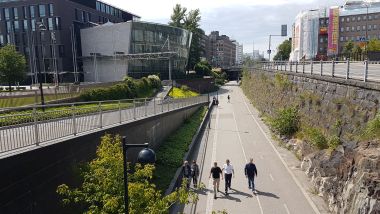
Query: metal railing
{"points": [[359, 70], [28, 126]]}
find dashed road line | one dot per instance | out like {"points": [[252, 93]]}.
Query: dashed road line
{"points": [[271, 177], [286, 209]]}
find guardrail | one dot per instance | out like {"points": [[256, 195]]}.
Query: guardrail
{"points": [[28, 126], [359, 70]]}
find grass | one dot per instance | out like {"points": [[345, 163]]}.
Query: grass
{"points": [[26, 116], [182, 93], [372, 130], [30, 100], [171, 152]]}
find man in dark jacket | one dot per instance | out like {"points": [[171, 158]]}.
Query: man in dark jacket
{"points": [[195, 173], [186, 172], [250, 173]]}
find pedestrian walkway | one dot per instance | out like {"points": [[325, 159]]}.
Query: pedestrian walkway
{"points": [[238, 134]]}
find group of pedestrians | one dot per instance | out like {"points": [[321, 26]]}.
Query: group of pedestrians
{"points": [[190, 173], [228, 172]]}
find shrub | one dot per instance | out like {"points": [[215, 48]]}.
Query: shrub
{"points": [[185, 88], [334, 142], [316, 138], [372, 130], [155, 81], [286, 122]]}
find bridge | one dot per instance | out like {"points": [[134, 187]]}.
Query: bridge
{"points": [[31, 127], [233, 72]]}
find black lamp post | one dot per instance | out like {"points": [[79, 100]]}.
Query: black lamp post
{"points": [[146, 156], [41, 27]]}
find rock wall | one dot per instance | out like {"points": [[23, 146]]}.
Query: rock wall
{"points": [[348, 178]]}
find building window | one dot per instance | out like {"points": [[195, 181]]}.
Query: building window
{"points": [[363, 27], [50, 24], [9, 26], [25, 12], [370, 17], [342, 29], [341, 38], [348, 29], [51, 9], [15, 13], [357, 28], [88, 17], [16, 25], [32, 11], [42, 10], [33, 25], [57, 23], [365, 17], [1, 40], [353, 18], [97, 6], [348, 19], [375, 27], [347, 39], [42, 36], [321, 40], [7, 14], [353, 28], [359, 18], [26, 25], [83, 16], [369, 27], [376, 16]]}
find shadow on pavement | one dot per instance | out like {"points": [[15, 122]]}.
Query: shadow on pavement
{"points": [[229, 197], [237, 192], [266, 194]]}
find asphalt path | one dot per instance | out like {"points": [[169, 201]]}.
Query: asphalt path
{"points": [[237, 134]]}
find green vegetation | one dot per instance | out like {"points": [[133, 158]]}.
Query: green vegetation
{"points": [[30, 100], [286, 122], [220, 77], [12, 66], [182, 92], [171, 152], [102, 190], [190, 21], [314, 136], [282, 81], [203, 68], [129, 89], [27, 116], [374, 45], [283, 51], [372, 130]]}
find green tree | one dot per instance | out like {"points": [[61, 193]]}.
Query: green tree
{"points": [[374, 45], [191, 22], [357, 49], [283, 50], [203, 68], [12, 65], [102, 190], [348, 48]]}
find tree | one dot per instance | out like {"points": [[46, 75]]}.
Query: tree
{"points": [[102, 190], [191, 22], [12, 65], [283, 50], [374, 45], [203, 68], [348, 48]]}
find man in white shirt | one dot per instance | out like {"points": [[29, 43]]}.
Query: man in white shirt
{"points": [[228, 171]]}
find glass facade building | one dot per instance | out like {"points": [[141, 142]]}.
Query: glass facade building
{"points": [[153, 38]]}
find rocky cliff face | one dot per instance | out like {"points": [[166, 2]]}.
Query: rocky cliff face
{"points": [[347, 178]]}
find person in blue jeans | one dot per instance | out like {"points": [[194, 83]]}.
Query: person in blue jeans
{"points": [[250, 173]]}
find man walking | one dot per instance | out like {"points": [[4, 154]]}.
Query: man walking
{"points": [[186, 172], [216, 172], [228, 171], [195, 173], [250, 173], [228, 97]]}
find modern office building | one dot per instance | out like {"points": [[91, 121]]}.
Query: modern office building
{"points": [[108, 50], [239, 53], [222, 50], [47, 32]]}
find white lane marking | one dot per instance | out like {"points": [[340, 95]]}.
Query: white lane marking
{"points": [[210, 195], [271, 177], [245, 157], [286, 209], [282, 161]]}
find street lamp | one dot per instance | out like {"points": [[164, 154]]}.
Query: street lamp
{"points": [[367, 5], [146, 156], [42, 27]]}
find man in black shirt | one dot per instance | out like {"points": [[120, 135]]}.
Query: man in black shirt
{"points": [[250, 173], [216, 172]]}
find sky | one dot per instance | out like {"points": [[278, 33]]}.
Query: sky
{"points": [[250, 22]]}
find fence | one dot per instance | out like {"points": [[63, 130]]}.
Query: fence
{"points": [[28, 126], [358, 70]]}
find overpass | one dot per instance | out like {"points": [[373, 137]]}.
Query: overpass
{"points": [[40, 150], [233, 72]]}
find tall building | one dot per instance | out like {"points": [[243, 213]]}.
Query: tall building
{"points": [[107, 48], [239, 53], [47, 32], [222, 50]]}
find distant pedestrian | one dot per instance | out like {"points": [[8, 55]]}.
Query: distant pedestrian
{"points": [[186, 172], [195, 173], [228, 97], [250, 173], [228, 171], [216, 172]]}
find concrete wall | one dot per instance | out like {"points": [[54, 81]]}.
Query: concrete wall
{"points": [[28, 181], [109, 38], [330, 104]]}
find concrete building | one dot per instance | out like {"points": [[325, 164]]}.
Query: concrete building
{"points": [[239, 53], [106, 48], [222, 50], [47, 32]]}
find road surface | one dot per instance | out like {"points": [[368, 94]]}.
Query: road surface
{"points": [[238, 134]]}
